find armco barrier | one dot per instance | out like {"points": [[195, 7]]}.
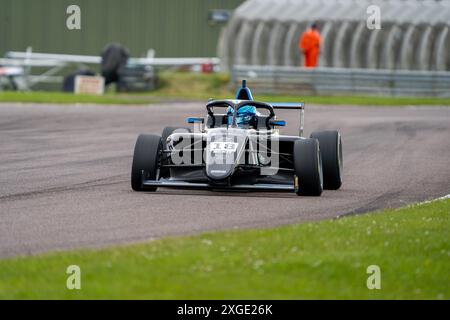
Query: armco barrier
{"points": [[281, 79]]}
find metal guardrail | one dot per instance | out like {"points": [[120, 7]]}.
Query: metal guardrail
{"points": [[281, 79], [54, 63], [71, 58]]}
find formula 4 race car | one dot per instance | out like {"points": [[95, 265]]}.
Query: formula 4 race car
{"points": [[237, 150]]}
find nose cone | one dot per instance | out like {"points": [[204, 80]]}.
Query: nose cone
{"points": [[224, 149]]}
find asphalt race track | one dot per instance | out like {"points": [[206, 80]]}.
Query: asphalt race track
{"points": [[65, 174]]}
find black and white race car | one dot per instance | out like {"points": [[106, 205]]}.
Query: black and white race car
{"points": [[237, 150]]}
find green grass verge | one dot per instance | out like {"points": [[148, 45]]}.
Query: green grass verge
{"points": [[64, 98], [325, 259], [193, 86]]}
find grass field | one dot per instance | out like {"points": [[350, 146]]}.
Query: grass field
{"points": [[325, 259], [192, 86]]}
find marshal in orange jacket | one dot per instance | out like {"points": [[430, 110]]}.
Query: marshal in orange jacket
{"points": [[309, 44]]}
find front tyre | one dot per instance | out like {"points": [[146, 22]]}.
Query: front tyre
{"points": [[308, 167], [146, 161], [332, 161]]}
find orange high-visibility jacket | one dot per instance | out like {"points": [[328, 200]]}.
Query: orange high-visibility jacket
{"points": [[309, 44]]}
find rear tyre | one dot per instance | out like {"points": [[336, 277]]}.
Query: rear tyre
{"points": [[146, 161], [308, 167], [332, 161]]}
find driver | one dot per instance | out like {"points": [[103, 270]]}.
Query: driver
{"points": [[244, 115]]}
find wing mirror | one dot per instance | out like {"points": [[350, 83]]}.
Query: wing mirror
{"points": [[195, 120], [278, 123]]}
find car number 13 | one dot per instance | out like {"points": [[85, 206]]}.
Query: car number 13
{"points": [[222, 146]]}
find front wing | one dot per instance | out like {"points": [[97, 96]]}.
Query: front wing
{"points": [[271, 187]]}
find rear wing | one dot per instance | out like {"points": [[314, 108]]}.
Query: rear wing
{"points": [[292, 106]]}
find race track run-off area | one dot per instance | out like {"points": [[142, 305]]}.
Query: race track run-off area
{"points": [[65, 173]]}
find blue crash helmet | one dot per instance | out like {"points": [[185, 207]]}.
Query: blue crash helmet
{"points": [[244, 116], [246, 113]]}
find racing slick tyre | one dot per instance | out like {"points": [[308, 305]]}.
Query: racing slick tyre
{"points": [[146, 161], [331, 150], [308, 168]]}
